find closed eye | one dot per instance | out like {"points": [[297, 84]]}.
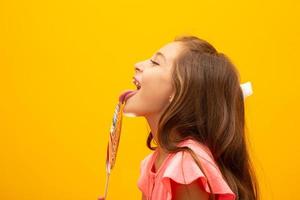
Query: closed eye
{"points": [[153, 62]]}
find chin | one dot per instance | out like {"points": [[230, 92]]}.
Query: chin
{"points": [[130, 112]]}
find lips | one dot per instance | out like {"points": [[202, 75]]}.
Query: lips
{"points": [[136, 81], [125, 95]]}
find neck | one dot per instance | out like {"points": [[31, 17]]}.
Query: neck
{"points": [[153, 124]]}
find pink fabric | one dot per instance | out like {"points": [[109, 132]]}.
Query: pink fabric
{"points": [[181, 167]]}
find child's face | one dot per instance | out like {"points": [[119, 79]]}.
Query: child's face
{"points": [[155, 80]]}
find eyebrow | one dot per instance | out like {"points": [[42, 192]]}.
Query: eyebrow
{"points": [[160, 54]]}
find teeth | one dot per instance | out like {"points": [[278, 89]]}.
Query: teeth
{"points": [[138, 86]]}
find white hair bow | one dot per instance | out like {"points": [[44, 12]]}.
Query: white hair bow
{"points": [[247, 89]]}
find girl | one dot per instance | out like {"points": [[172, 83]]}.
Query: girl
{"points": [[191, 97]]}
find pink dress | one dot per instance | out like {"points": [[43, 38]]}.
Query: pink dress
{"points": [[181, 168]]}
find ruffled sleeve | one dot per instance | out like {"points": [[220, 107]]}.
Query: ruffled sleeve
{"points": [[183, 169], [143, 178]]}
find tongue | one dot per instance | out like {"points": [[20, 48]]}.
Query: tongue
{"points": [[126, 94]]}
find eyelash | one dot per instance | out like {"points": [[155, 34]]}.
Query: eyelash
{"points": [[154, 63]]}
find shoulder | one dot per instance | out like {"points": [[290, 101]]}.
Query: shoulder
{"points": [[200, 176], [183, 169], [146, 161]]}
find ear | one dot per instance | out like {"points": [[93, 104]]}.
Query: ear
{"points": [[171, 98]]}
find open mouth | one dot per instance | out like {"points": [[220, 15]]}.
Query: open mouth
{"points": [[136, 83], [125, 95]]}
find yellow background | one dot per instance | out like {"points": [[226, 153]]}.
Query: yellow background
{"points": [[64, 63]]}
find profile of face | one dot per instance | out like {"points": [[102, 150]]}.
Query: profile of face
{"points": [[155, 78]]}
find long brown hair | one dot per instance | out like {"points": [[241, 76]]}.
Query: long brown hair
{"points": [[208, 106]]}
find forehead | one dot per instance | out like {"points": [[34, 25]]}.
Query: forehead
{"points": [[170, 51]]}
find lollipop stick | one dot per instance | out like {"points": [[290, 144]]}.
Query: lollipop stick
{"points": [[106, 185]]}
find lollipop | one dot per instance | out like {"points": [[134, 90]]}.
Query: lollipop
{"points": [[114, 136]]}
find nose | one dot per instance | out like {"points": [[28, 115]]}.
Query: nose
{"points": [[138, 66]]}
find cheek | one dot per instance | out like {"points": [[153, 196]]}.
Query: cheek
{"points": [[153, 97], [156, 87]]}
